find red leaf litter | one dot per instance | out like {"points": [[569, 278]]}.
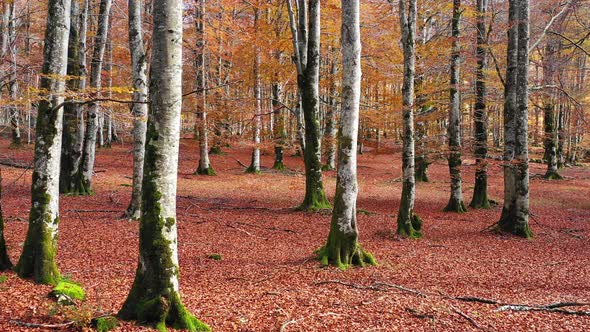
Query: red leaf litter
{"points": [[268, 279]]}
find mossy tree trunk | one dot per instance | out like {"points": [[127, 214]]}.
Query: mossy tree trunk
{"points": [[480, 191], [454, 129], [515, 212], [154, 298], [71, 149], [315, 197], [83, 182], [37, 260], [408, 223], [342, 248], [5, 263], [140, 109]]}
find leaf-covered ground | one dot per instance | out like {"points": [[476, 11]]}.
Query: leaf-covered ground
{"points": [[268, 280]]}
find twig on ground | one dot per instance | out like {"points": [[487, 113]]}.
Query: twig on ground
{"points": [[44, 326], [464, 315], [418, 314]]}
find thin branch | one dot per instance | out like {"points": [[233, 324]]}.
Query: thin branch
{"points": [[548, 26]]}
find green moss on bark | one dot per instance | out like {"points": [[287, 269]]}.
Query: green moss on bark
{"points": [[278, 164], [508, 223], [344, 252], [37, 260], [480, 198], [153, 299], [207, 171], [422, 164], [455, 205], [411, 228], [553, 175], [314, 201]]}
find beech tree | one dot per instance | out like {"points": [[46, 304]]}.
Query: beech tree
{"points": [[140, 107], [86, 171], [408, 223], [515, 211], [204, 167], [5, 263], [480, 191], [255, 161], [342, 248], [154, 298], [37, 260], [306, 41], [73, 126], [454, 129]]}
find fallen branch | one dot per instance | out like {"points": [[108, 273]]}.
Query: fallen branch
{"points": [[241, 163], [44, 326], [402, 288], [464, 315], [418, 314], [518, 307]]}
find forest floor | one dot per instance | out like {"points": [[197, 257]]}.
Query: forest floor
{"points": [[268, 279]]}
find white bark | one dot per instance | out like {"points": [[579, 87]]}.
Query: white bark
{"points": [[95, 83], [37, 260], [345, 203], [140, 108]]}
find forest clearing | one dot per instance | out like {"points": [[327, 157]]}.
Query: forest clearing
{"points": [[268, 277]]}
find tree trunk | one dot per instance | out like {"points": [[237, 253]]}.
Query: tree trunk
{"points": [[5, 263], [480, 191], [408, 223], [454, 129], [342, 248], [255, 163], [330, 135], [140, 108], [86, 172], [154, 298], [204, 167], [315, 197], [515, 212], [38, 257], [14, 112], [71, 147], [279, 133]]}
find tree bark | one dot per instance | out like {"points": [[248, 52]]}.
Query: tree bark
{"points": [[330, 134], [71, 149], [14, 112], [456, 203], [154, 298], [86, 172], [480, 191], [515, 212], [315, 197], [408, 223], [5, 263], [549, 100], [342, 248], [140, 108], [254, 167], [37, 260]]}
